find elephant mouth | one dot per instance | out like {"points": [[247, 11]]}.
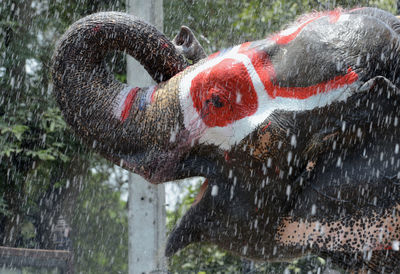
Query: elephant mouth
{"points": [[201, 193], [159, 169]]}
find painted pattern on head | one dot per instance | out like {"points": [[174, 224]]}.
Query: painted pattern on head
{"points": [[287, 35], [225, 98], [222, 98]]}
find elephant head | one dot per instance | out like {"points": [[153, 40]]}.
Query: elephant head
{"points": [[294, 131]]}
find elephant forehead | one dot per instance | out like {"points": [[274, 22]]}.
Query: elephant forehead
{"points": [[242, 80], [222, 98], [233, 79]]}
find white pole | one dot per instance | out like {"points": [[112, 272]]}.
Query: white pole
{"points": [[147, 233]]}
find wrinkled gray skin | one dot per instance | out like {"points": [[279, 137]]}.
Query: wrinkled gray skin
{"points": [[253, 178]]}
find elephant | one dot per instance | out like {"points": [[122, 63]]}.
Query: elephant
{"points": [[296, 135]]}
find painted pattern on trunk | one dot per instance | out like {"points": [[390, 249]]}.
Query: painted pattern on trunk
{"points": [[126, 99], [123, 102], [128, 102]]}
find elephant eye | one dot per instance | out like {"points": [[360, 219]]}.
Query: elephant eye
{"points": [[215, 100]]}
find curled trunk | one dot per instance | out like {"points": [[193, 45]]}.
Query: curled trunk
{"points": [[106, 113]]}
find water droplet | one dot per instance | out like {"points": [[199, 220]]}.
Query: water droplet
{"points": [[396, 245], [288, 190], [339, 162], [293, 140], [214, 191], [289, 157], [313, 209]]}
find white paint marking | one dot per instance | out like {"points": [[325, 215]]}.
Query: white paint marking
{"points": [[118, 103]]}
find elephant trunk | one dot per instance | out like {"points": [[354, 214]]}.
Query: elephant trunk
{"points": [[116, 119]]}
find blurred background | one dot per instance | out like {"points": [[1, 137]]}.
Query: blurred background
{"points": [[54, 192]]}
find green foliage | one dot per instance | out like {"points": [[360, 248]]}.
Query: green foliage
{"points": [[3, 207], [15, 137], [212, 21], [100, 226], [42, 164]]}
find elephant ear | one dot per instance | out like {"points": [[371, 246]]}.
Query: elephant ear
{"points": [[381, 15], [382, 83], [362, 175], [187, 44], [356, 187]]}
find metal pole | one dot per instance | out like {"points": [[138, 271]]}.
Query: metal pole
{"points": [[147, 232]]}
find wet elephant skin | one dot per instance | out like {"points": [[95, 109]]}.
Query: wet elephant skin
{"points": [[299, 127]]}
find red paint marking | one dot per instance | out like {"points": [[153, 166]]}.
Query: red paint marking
{"points": [[128, 103], [285, 39], [244, 47], [152, 94], [212, 56], [383, 247], [265, 70], [224, 82], [334, 16], [226, 156], [305, 92], [264, 128], [96, 28], [356, 9], [201, 193]]}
